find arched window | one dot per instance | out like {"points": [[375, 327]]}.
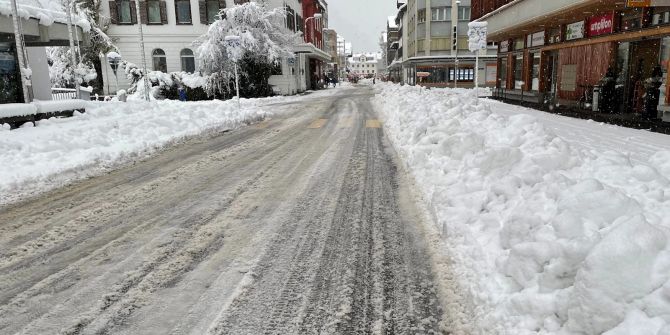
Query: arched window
{"points": [[187, 61], [159, 60]]}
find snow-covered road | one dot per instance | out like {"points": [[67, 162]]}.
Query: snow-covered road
{"points": [[299, 224]]}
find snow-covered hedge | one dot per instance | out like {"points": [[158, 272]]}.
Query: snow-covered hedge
{"points": [[166, 85], [35, 159], [545, 238]]}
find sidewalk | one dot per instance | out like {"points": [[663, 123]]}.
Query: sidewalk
{"points": [[629, 120]]}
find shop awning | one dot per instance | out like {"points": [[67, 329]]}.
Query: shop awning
{"points": [[312, 51]]}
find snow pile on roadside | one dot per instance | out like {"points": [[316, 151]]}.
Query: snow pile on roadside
{"points": [[58, 150], [545, 238]]}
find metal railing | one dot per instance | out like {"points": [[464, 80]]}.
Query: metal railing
{"points": [[63, 93]]}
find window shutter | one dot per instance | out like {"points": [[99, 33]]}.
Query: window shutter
{"points": [[164, 19], [202, 7], [144, 14], [113, 12], [133, 12]]}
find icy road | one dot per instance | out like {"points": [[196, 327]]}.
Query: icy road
{"points": [[301, 224]]}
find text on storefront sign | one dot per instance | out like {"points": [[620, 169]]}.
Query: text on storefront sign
{"points": [[574, 31], [602, 24]]}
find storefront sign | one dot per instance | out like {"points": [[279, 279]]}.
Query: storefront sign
{"points": [[574, 31], [638, 3], [601, 24], [535, 40], [504, 46], [647, 3]]}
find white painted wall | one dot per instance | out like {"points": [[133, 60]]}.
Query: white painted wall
{"points": [[37, 58], [172, 38]]}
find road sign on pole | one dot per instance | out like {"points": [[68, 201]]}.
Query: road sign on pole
{"points": [[476, 42]]}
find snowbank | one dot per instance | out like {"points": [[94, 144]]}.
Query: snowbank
{"points": [[59, 105], [10, 110], [545, 237], [38, 107], [35, 159]]}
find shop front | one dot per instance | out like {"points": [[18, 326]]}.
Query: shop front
{"points": [[450, 71], [565, 62]]}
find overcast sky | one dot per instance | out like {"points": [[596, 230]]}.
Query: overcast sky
{"points": [[360, 21]]}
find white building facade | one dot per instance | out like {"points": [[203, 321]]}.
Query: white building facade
{"points": [[365, 65], [171, 29]]}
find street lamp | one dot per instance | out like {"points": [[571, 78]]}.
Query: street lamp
{"points": [[455, 43], [234, 50], [114, 60], [316, 16]]}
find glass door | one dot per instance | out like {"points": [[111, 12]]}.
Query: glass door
{"points": [[10, 85]]}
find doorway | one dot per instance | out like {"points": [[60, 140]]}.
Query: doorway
{"points": [[635, 62], [550, 77]]}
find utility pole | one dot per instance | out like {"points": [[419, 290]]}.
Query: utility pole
{"points": [[20, 55], [73, 56]]}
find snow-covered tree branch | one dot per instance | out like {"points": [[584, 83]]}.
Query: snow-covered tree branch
{"points": [[264, 38]]}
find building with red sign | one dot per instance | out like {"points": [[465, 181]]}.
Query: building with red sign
{"points": [[557, 51]]}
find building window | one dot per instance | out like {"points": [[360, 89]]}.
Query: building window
{"points": [[183, 11], [212, 9], [154, 11], [290, 18], [554, 35], [440, 14], [462, 74], [661, 16], [159, 60], [124, 11], [421, 16], [631, 19], [464, 13], [518, 72], [502, 73], [299, 23], [187, 60], [535, 73]]}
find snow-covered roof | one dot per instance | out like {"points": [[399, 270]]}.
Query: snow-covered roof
{"points": [[47, 12], [391, 22]]}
